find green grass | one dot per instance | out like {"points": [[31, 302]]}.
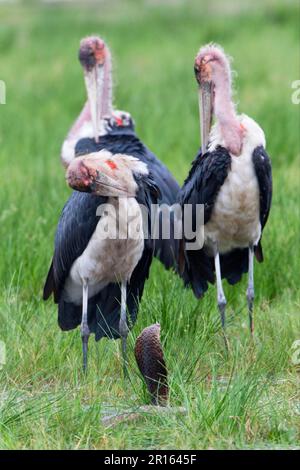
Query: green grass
{"points": [[249, 400]]}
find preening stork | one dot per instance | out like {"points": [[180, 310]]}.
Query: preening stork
{"points": [[231, 176], [102, 256], [99, 126]]}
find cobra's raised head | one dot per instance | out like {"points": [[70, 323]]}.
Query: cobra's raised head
{"points": [[151, 362]]}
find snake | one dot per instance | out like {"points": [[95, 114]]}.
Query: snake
{"points": [[150, 359]]}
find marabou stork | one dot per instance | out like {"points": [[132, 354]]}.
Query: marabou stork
{"points": [[99, 126], [114, 131], [232, 177], [102, 257]]}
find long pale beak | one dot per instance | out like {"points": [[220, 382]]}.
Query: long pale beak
{"points": [[205, 110], [94, 81], [103, 182]]}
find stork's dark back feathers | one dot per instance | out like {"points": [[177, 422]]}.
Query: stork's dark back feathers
{"points": [[126, 142]]}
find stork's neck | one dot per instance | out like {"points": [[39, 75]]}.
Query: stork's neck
{"points": [[85, 114], [107, 87], [226, 116]]}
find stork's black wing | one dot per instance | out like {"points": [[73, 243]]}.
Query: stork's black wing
{"points": [[77, 223], [205, 179], [202, 186], [169, 188], [263, 170], [165, 248]]}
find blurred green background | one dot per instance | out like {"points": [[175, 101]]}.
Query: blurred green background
{"points": [[45, 402]]}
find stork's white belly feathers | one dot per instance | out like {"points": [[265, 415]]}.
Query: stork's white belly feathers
{"points": [[235, 219], [234, 222], [113, 251]]}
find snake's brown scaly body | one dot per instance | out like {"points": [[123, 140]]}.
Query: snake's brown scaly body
{"points": [[150, 359]]}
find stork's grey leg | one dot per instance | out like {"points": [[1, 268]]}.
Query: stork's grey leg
{"points": [[123, 328], [250, 289], [220, 293], [84, 328]]}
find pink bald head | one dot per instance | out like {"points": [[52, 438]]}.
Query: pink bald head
{"points": [[92, 52], [212, 66], [79, 176]]}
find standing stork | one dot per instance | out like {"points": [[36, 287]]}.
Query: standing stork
{"points": [[99, 129], [231, 176], [102, 257], [99, 126]]}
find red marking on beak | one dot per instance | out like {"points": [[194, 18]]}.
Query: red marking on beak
{"points": [[111, 164], [119, 121]]}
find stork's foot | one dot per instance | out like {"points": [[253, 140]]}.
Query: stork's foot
{"points": [[124, 330], [85, 334], [250, 301]]}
